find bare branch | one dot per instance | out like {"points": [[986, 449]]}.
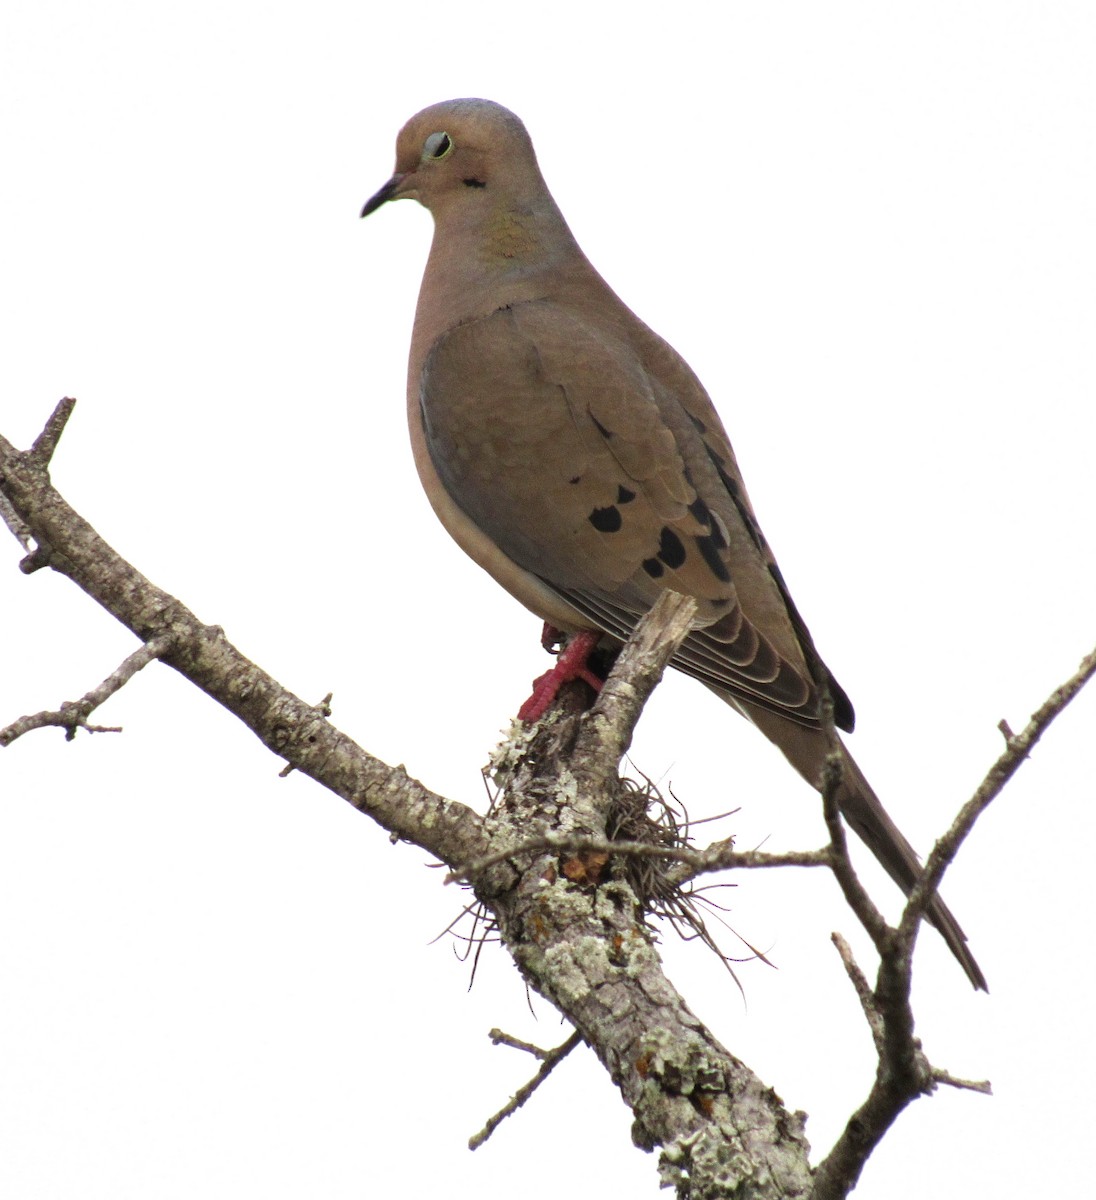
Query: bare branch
{"points": [[286, 724], [73, 714], [498, 1038], [863, 990], [982, 1086], [718, 857], [852, 889], [1018, 747], [551, 1058], [606, 734], [904, 1072], [45, 444]]}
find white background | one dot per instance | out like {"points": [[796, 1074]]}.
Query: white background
{"points": [[869, 227]]}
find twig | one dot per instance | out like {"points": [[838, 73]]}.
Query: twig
{"points": [[851, 888], [498, 1038], [38, 458], [863, 990], [201, 653], [982, 1086], [73, 714], [716, 857], [1018, 747], [904, 1073], [46, 442], [551, 1059]]}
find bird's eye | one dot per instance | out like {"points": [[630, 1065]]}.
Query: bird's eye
{"points": [[437, 145]]}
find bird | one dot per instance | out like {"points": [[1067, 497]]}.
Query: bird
{"points": [[574, 455]]}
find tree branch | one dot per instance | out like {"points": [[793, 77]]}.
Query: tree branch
{"points": [[550, 1059], [286, 724], [903, 1072], [73, 714], [1017, 749], [717, 857]]}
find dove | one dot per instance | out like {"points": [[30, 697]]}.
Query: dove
{"points": [[576, 457]]}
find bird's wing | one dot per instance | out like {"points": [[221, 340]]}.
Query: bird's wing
{"points": [[604, 473]]}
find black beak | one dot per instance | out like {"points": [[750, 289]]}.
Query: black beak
{"points": [[385, 194]]}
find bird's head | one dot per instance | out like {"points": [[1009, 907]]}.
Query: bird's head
{"points": [[460, 154]]}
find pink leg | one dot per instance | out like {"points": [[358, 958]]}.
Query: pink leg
{"points": [[571, 664]]}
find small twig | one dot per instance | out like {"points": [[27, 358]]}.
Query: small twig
{"points": [[551, 1059], [904, 1072], [37, 459], [982, 1086], [717, 857], [73, 714], [498, 1038], [851, 888], [863, 990], [1018, 747], [46, 442]]}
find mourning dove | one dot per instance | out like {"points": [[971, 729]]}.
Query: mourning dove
{"points": [[575, 456]]}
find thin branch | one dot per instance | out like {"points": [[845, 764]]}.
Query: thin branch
{"points": [[982, 1086], [1017, 749], [863, 990], [904, 1073], [852, 889], [45, 444], [498, 1038], [551, 1060], [717, 857], [286, 724], [73, 714], [605, 735]]}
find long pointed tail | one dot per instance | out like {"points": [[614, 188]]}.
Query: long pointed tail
{"points": [[806, 750]]}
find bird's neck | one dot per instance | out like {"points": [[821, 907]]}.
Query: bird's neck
{"points": [[486, 256]]}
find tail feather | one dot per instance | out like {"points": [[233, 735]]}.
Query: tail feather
{"points": [[807, 749]]}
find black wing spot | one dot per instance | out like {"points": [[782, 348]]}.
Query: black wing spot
{"points": [[606, 520], [605, 433], [653, 567], [700, 511], [698, 425], [705, 516], [575, 479], [709, 551], [624, 496], [671, 549]]}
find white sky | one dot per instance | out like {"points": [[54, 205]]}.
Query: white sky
{"points": [[869, 227]]}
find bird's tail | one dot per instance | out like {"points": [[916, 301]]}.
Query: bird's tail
{"points": [[807, 749]]}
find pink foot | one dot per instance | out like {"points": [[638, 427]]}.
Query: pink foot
{"points": [[551, 637], [571, 664]]}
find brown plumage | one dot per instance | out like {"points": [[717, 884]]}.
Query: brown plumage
{"points": [[575, 456]]}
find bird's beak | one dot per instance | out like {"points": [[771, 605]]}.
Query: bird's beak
{"points": [[388, 192]]}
